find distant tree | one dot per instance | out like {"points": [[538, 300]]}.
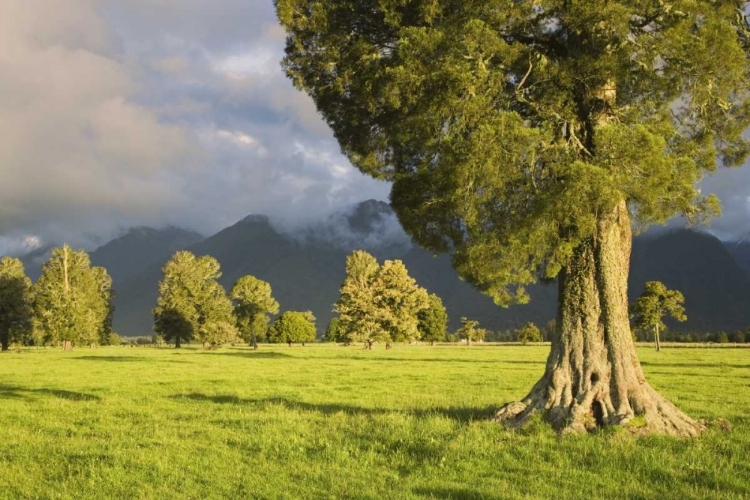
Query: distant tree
{"points": [[529, 333], [470, 331], [656, 301], [15, 302], [72, 300], [253, 304], [333, 333], [739, 337], [293, 327], [433, 320], [400, 300], [357, 305], [114, 339], [722, 338], [192, 303], [379, 303]]}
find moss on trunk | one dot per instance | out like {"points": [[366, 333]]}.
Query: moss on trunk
{"points": [[593, 377]]}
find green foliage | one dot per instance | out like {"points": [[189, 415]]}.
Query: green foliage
{"points": [[722, 338], [470, 331], [333, 332], [656, 301], [192, 304], [379, 303], [509, 128], [114, 339], [529, 333], [293, 327], [739, 337], [15, 302], [433, 320], [72, 300], [253, 303]]}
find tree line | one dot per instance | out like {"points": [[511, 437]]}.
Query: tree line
{"points": [[71, 304]]}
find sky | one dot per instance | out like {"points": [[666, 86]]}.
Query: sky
{"points": [[119, 113]]}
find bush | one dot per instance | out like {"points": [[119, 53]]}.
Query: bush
{"points": [[722, 338], [114, 339], [529, 333]]}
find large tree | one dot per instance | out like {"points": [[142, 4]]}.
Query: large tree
{"points": [[72, 300], [15, 302], [656, 301], [253, 304], [192, 304], [528, 138]]}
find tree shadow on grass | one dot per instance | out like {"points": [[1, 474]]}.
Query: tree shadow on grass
{"points": [[461, 415], [452, 494], [17, 392], [127, 359], [253, 354]]}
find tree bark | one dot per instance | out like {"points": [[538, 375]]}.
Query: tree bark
{"points": [[593, 377], [177, 343], [4, 342], [255, 342], [67, 345], [656, 336]]}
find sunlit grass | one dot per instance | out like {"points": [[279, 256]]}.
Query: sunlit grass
{"points": [[341, 422]]}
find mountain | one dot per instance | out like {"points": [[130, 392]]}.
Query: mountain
{"points": [[740, 250], [140, 247], [306, 267]]}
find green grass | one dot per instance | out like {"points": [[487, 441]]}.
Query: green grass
{"points": [[336, 422]]}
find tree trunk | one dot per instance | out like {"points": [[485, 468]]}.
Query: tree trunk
{"points": [[593, 377], [656, 336], [290, 344], [4, 341], [67, 345], [255, 342], [177, 343]]}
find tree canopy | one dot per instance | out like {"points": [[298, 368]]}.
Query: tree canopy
{"points": [[379, 303], [72, 300], [293, 327], [253, 303], [529, 333], [656, 301], [192, 304], [433, 320], [15, 302], [509, 127]]}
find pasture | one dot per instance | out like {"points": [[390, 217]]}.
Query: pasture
{"points": [[326, 421]]}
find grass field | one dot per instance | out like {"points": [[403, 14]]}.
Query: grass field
{"points": [[336, 422]]}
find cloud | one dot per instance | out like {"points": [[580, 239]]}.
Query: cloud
{"points": [[119, 113]]}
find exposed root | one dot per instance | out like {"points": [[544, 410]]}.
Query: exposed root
{"points": [[654, 415]]}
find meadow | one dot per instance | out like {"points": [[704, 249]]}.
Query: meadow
{"points": [[327, 421]]}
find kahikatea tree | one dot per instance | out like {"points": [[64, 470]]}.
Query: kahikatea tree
{"points": [[15, 302], [433, 320], [253, 304], [527, 138], [192, 303], [72, 300], [293, 327], [656, 301]]}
